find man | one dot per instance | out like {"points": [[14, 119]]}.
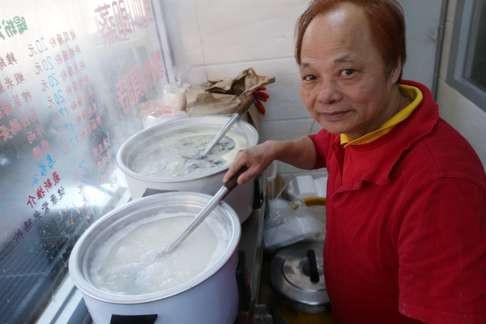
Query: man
{"points": [[406, 196]]}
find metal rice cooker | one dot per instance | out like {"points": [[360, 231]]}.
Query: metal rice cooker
{"points": [[297, 276], [209, 297], [148, 140]]}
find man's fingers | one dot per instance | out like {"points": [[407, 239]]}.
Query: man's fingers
{"points": [[244, 158], [248, 175], [244, 177], [237, 164]]}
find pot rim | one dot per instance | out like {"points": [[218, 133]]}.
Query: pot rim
{"points": [[178, 124], [77, 258]]}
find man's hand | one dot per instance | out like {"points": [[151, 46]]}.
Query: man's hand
{"points": [[298, 152], [255, 158]]}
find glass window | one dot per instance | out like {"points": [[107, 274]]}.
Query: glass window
{"points": [[467, 70], [74, 77], [475, 70]]}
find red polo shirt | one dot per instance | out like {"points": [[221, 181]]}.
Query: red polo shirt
{"points": [[406, 224]]}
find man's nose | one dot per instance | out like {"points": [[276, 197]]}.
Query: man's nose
{"points": [[329, 92]]}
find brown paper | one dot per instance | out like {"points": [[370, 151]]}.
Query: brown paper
{"points": [[224, 96]]}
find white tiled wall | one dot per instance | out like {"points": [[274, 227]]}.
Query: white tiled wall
{"points": [[465, 116], [214, 39]]}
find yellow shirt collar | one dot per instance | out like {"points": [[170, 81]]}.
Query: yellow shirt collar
{"points": [[413, 93]]}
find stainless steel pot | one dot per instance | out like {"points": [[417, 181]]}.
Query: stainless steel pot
{"points": [[241, 199], [209, 297]]}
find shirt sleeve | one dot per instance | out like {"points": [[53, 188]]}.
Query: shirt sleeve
{"points": [[321, 141], [442, 253]]}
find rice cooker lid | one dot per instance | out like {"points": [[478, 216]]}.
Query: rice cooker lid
{"points": [[297, 274]]}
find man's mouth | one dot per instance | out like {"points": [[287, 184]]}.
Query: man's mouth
{"points": [[335, 115]]}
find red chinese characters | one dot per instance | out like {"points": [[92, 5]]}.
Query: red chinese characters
{"points": [[133, 85], [46, 195]]}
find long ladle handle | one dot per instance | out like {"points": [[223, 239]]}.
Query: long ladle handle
{"points": [[232, 182], [241, 109], [221, 133], [225, 189]]}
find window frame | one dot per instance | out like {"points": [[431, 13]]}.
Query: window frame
{"points": [[463, 22]]}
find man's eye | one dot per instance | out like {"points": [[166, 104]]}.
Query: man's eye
{"points": [[309, 77], [348, 72]]}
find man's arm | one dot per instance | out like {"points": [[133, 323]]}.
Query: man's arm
{"points": [[299, 152]]}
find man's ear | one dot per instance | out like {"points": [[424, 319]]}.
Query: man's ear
{"points": [[396, 73]]}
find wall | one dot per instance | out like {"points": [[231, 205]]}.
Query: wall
{"points": [[465, 116], [217, 40], [213, 39]]}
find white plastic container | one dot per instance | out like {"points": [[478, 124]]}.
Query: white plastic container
{"points": [[210, 297], [241, 199]]}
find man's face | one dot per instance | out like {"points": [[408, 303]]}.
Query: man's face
{"points": [[343, 81]]}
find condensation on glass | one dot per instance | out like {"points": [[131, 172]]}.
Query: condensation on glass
{"points": [[73, 78]]}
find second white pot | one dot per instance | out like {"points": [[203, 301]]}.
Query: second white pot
{"points": [[241, 199], [209, 297]]}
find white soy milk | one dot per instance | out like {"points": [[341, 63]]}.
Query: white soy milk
{"points": [[127, 263], [178, 154]]}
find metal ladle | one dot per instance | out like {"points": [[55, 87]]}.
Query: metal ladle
{"points": [[242, 108], [225, 189]]}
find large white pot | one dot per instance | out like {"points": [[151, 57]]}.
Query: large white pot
{"points": [[210, 297], [241, 198]]}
